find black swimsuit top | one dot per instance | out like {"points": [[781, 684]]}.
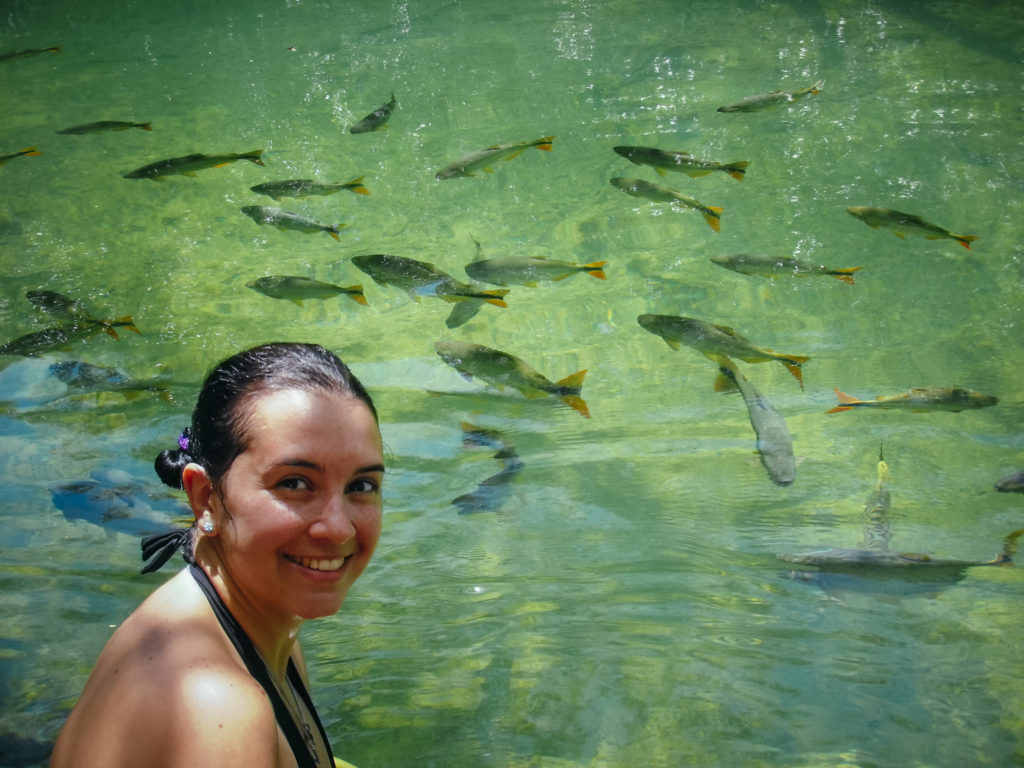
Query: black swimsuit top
{"points": [[302, 750]]}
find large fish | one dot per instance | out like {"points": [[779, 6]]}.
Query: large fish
{"points": [[189, 164], [103, 126], [60, 337], [716, 342], [921, 399], [298, 289], [85, 377], [501, 369], [1012, 483], [484, 159], [376, 119], [421, 278], [774, 266], [306, 187], [774, 443], [286, 220], [659, 193], [492, 492], [903, 224], [529, 270], [873, 568], [26, 152], [770, 100], [662, 160], [73, 312]]}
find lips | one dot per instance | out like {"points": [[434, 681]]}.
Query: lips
{"points": [[318, 563]]}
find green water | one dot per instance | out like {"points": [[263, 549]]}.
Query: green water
{"points": [[624, 608]]}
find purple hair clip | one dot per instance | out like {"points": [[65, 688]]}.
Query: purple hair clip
{"points": [[183, 441]]}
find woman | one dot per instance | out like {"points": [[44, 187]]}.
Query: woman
{"points": [[283, 468]]}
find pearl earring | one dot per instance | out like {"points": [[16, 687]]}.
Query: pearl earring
{"points": [[207, 525]]}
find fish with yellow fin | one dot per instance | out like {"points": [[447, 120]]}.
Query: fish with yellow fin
{"points": [[26, 152], [775, 266], [662, 160], [920, 399], [484, 159], [771, 99], [659, 193], [901, 224]]}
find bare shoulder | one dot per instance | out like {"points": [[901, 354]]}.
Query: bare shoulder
{"points": [[169, 690]]}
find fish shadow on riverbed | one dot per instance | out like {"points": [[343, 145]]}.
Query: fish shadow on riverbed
{"points": [[492, 492]]}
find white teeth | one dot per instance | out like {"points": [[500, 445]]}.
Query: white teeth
{"points": [[319, 564]]}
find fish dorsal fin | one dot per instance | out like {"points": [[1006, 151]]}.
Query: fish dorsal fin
{"points": [[724, 329]]}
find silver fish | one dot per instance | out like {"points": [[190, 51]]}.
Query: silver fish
{"points": [[286, 220], [485, 158], [376, 119]]}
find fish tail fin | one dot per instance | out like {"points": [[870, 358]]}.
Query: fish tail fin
{"points": [[333, 231], [111, 332], [495, 297], [146, 126], [165, 395], [544, 144], [1009, 549], [596, 269], [573, 382], [793, 364], [356, 185], [255, 156], [355, 292], [965, 240], [737, 169], [846, 275], [127, 322], [725, 383], [712, 216], [30, 151], [846, 402], [577, 403]]}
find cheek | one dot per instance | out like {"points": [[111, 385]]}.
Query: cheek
{"points": [[368, 526]]}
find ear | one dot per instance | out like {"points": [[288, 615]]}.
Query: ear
{"points": [[198, 487]]}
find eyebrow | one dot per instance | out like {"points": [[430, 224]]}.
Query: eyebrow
{"points": [[318, 468]]}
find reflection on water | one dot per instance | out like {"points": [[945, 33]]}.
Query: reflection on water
{"points": [[623, 603]]}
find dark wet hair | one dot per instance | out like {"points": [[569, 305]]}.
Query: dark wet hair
{"points": [[217, 435]]}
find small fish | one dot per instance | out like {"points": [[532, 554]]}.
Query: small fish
{"points": [[102, 126], [501, 369], [921, 399], [485, 158], [770, 100], [773, 266], [683, 162], [1013, 483], [26, 152], [85, 377], [28, 52], [305, 187], [60, 337], [189, 164], [662, 194], [74, 312], [284, 220], [529, 270], [774, 443], [376, 119], [716, 342], [492, 492], [902, 224], [421, 278], [298, 289]]}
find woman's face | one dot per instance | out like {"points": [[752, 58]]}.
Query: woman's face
{"points": [[298, 513]]}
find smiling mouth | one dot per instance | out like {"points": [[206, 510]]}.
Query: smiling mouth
{"points": [[318, 563]]}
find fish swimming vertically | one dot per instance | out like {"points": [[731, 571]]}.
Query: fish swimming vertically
{"points": [[901, 224], [529, 270], [376, 119], [1012, 483], [306, 187], [771, 99], [683, 162], [189, 164], [776, 266], [484, 159], [500, 369], [774, 443], [421, 278], [921, 399], [298, 289], [493, 491], [103, 126], [26, 152], [286, 220], [28, 52], [85, 377], [716, 341], [659, 193]]}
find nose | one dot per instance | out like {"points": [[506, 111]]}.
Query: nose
{"points": [[335, 521]]}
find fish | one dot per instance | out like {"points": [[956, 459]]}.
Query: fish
{"points": [[492, 492], [60, 337], [662, 160], [1013, 483], [771, 99], [661, 194], [485, 158], [375, 120], [74, 312], [920, 399], [298, 289], [102, 126], [28, 52], [421, 278], [189, 164], [285, 220], [901, 224], [773, 266], [716, 342], [500, 369], [305, 187], [774, 443], [85, 377], [26, 152], [873, 568], [529, 270]]}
